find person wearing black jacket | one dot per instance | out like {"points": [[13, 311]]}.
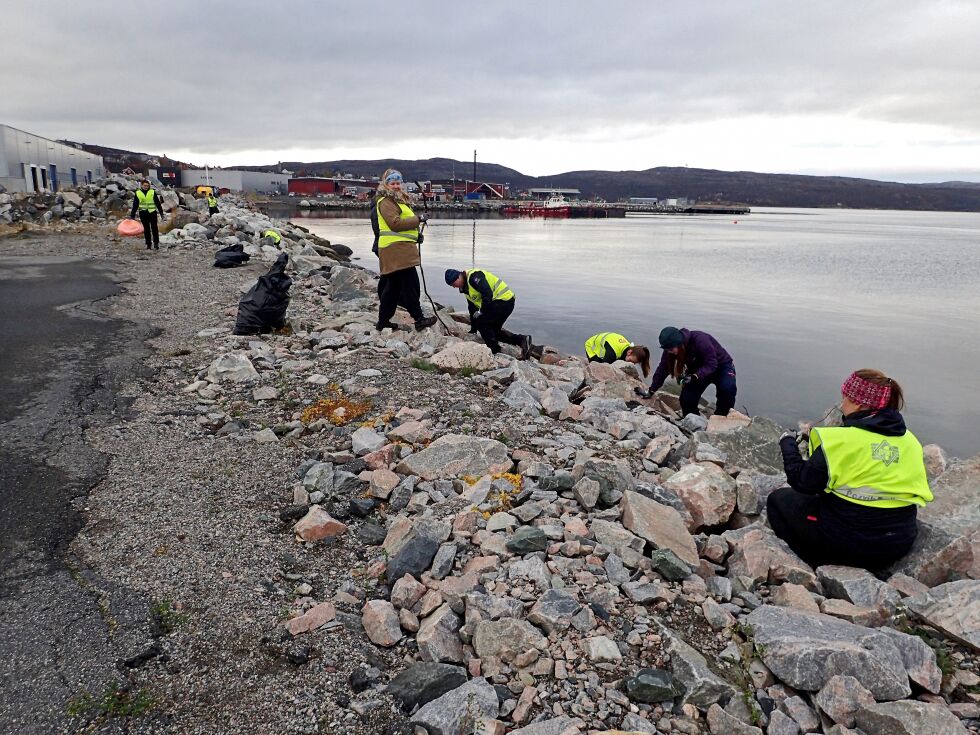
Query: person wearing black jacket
{"points": [[490, 302], [149, 204], [863, 514]]}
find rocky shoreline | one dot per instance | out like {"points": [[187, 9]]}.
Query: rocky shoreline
{"points": [[364, 532]]}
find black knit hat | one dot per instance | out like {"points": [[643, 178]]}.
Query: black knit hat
{"points": [[671, 337], [451, 275]]}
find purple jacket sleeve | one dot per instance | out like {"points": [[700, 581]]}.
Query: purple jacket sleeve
{"points": [[701, 343], [660, 374]]}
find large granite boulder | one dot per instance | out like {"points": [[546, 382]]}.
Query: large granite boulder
{"points": [[659, 524], [707, 491], [759, 554], [908, 718], [753, 447], [464, 356], [805, 650], [953, 608], [453, 455], [424, 681], [948, 546], [702, 687], [457, 711]]}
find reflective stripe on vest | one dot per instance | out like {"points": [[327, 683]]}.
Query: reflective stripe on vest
{"points": [[871, 469], [387, 236], [595, 346], [499, 288], [147, 200], [276, 237], [212, 202]]}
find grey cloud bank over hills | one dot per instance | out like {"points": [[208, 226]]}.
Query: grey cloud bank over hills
{"points": [[884, 90]]}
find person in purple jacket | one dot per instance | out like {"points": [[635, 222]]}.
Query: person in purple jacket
{"points": [[695, 360]]}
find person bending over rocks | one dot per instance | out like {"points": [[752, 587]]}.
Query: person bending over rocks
{"points": [[854, 501], [490, 302], [609, 347], [397, 238], [695, 360]]}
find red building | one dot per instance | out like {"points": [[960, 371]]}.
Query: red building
{"points": [[312, 185]]}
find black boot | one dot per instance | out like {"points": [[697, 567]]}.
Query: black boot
{"points": [[380, 326], [526, 346], [424, 323]]}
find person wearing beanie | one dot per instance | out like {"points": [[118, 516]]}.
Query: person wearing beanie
{"points": [[854, 501], [490, 302], [397, 236], [695, 360]]}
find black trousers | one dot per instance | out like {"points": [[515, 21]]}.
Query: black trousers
{"points": [[400, 288], [824, 529], [724, 381], [212, 210], [490, 325], [149, 220]]}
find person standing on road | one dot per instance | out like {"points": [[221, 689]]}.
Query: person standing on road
{"points": [[854, 501], [609, 347], [397, 238], [212, 202], [149, 205], [490, 302], [695, 360]]}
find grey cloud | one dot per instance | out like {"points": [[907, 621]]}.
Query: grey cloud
{"points": [[225, 76]]}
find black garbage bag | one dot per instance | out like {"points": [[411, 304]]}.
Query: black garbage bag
{"points": [[231, 256], [263, 308]]}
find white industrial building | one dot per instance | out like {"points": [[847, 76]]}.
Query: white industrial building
{"points": [[234, 180], [29, 162]]}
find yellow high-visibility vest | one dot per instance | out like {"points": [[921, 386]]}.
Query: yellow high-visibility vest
{"points": [[276, 237], [147, 200], [500, 290], [212, 202], [387, 236], [595, 346], [871, 469]]}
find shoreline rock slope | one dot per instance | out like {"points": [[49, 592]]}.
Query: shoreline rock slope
{"points": [[533, 551]]}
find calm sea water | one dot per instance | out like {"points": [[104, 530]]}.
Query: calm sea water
{"points": [[800, 298]]}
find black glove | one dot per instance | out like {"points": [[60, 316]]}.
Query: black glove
{"points": [[686, 378], [642, 392], [421, 239]]}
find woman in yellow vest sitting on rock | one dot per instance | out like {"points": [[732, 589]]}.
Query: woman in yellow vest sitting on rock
{"points": [[853, 502], [490, 302], [609, 347], [397, 238]]}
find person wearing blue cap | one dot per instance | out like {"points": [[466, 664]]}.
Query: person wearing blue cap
{"points": [[396, 243], [490, 302], [695, 360]]}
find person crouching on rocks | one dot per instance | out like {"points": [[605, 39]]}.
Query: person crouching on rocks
{"points": [[490, 302], [695, 360], [397, 239], [854, 501], [609, 347]]}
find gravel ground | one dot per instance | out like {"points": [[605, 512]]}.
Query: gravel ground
{"points": [[190, 519]]}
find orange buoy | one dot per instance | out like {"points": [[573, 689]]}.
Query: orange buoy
{"points": [[129, 228]]}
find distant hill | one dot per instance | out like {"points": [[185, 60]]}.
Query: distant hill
{"points": [[704, 185]]}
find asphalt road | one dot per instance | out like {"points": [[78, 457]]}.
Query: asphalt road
{"points": [[62, 630]]}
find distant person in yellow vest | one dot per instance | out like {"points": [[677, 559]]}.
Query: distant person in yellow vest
{"points": [[490, 302], [853, 502], [271, 238], [149, 205], [212, 202], [396, 243], [609, 347]]}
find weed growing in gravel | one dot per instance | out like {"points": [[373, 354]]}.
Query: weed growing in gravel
{"points": [[425, 365], [338, 409], [167, 616], [115, 701]]}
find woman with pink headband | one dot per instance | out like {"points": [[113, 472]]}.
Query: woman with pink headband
{"points": [[853, 502]]}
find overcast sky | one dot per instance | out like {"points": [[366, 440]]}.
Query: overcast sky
{"points": [[886, 89]]}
